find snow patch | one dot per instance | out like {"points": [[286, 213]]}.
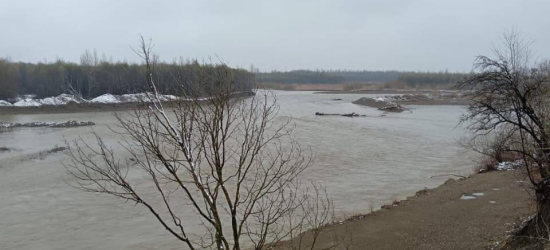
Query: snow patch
{"points": [[27, 103], [65, 99], [381, 99], [47, 124], [24, 97], [133, 97], [105, 98], [509, 165], [169, 98], [5, 104], [62, 99], [128, 98], [467, 197]]}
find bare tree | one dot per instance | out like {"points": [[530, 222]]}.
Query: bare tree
{"points": [[89, 61], [495, 147], [510, 96], [216, 151]]}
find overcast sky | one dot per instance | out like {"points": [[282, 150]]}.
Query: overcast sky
{"points": [[276, 34]]}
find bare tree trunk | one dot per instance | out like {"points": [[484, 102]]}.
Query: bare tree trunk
{"points": [[510, 93]]}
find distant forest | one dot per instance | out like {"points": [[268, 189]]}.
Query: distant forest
{"points": [[429, 79], [93, 77], [326, 76], [413, 79]]}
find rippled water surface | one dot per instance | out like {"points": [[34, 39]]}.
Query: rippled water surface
{"points": [[364, 162]]}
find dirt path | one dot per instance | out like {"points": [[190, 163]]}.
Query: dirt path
{"points": [[440, 219]]}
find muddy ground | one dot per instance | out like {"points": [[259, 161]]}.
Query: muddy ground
{"points": [[440, 219], [70, 108]]}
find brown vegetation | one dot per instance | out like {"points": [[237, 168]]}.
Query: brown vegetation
{"points": [[318, 87], [510, 104]]}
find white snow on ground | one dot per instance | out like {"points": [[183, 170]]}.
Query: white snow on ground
{"points": [[27, 103], [46, 124], [467, 197], [64, 99], [381, 99], [5, 104], [509, 165], [133, 97], [23, 97], [168, 97], [106, 98]]}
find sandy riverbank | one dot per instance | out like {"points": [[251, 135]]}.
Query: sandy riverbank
{"points": [[440, 219]]}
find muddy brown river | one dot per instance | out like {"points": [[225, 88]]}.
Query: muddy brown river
{"points": [[364, 162]]}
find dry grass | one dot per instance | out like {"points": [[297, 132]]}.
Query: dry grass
{"points": [[486, 164], [318, 87]]}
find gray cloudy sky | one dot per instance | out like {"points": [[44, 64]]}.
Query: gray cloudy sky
{"points": [[276, 34]]}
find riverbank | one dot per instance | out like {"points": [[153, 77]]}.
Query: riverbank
{"points": [[103, 103], [386, 91], [386, 101], [439, 219], [71, 108]]}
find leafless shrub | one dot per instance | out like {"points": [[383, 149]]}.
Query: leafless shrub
{"points": [[353, 86], [510, 96], [494, 148]]}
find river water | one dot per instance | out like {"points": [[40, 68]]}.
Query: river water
{"points": [[364, 162]]}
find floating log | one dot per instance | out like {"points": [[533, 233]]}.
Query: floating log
{"points": [[398, 109], [345, 115]]}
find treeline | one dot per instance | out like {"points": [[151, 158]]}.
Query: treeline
{"points": [[431, 79], [412, 79], [326, 76], [93, 77]]}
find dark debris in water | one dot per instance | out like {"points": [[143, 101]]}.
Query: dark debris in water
{"points": [[345, 115]]}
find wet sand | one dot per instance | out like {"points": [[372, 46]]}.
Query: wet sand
{"points": [[440, 219]]}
